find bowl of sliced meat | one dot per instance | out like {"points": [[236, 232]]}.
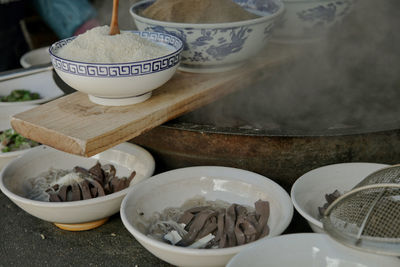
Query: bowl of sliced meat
{"points": [[203, 216], [74, 192]]}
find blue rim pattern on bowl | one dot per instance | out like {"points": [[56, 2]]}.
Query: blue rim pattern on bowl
{"points": [[263, 8], [113, 70]]}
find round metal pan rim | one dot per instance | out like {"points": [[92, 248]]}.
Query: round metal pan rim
{"points": [[206, 128]]}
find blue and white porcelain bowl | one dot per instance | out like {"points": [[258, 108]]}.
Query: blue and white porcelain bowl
{"points": [[118, 84], [218, 46], [309, 20]]}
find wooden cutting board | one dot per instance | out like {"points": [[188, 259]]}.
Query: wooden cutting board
{"points": [[75, 125]]}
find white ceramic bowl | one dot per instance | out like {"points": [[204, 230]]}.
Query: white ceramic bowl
{"points": [[217, 47], [308, 192], [5, 114], [35, 57], [310, 20], [307, 250], [125, 157], [42, 83], [173, 188], [119, 84]]}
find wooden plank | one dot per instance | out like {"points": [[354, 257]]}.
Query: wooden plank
{"points": [[75, 125]]}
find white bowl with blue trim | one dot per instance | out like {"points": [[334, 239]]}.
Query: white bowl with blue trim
{"points": [[118, 84], [217, 47], [310, 20]]}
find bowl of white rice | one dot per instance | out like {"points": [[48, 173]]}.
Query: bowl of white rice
{"points": [[116, 70]]}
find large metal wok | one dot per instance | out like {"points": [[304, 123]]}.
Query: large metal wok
{"points": [[282, 155]]}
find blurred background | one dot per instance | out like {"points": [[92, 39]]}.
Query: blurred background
{"points": [[31, 24], [350, 78]]}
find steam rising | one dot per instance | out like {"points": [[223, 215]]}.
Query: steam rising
{"points": [[349, 81]]}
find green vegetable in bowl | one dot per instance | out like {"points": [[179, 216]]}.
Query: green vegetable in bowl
{"points": [[10, 141], [20, 95]]}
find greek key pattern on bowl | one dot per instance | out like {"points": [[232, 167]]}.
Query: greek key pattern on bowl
{"points": [[120, 70], [123, 69]]}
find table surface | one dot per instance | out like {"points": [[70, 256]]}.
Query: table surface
{"points": [[28, 241]]}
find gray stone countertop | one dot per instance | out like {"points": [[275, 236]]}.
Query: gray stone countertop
{"points": [[28, 241]]}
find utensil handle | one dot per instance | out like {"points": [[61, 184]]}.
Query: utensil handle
{"points": [[114, 28]]}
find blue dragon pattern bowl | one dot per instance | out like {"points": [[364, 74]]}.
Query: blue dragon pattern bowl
{"points": [[221, 46]]}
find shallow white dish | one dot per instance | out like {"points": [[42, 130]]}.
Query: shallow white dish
{"points": [[42, 83], [120, 84], [307, 250], [126, 158], [173, 188], [216, 47], [308, 192], [5, 113], [35, 57]]}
